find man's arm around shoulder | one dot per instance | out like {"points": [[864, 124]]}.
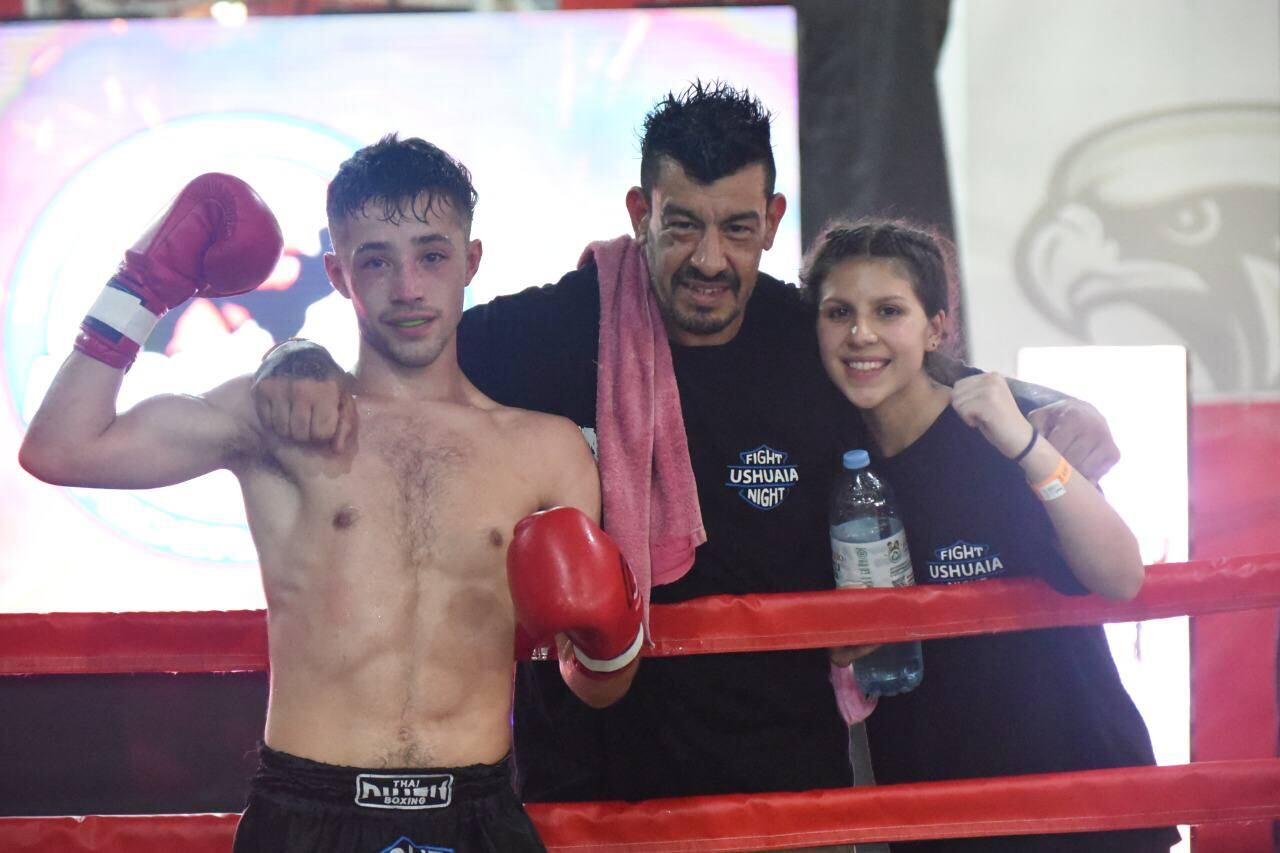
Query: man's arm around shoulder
{"points": [[1075, 427]]}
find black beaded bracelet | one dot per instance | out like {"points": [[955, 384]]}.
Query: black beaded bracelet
{"points": [[1035, 434]]}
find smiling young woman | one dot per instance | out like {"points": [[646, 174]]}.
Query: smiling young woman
{"points": [[977, 485]]}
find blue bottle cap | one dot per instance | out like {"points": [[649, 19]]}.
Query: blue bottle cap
{"points": [[855, 459]]}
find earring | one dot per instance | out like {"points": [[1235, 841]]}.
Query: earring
{"points": [[853, 330]]}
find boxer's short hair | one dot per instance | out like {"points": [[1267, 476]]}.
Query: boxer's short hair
{"points": [[405, 178], [712, 130]]}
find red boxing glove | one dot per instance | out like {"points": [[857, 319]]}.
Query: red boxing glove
{"points": [[567, 576], [218, 238]]}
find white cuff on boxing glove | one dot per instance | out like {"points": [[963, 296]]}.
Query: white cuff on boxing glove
{"points": [[123, 311], [615, 664]]}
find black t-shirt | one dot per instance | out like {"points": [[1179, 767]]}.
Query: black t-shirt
{"points": [[765, 430], [999, 704]]}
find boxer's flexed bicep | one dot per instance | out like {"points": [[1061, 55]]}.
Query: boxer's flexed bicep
{"points": [[77, 438]]}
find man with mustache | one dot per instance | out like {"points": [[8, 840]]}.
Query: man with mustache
{"points": [[755, 402]]}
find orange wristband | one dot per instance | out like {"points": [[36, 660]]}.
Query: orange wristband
{"points": [[1055, 485]]}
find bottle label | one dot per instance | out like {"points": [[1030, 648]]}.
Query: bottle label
{"points": [[883, 563]]}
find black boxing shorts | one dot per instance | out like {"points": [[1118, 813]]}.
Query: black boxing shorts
{"points": [[302, 806]]}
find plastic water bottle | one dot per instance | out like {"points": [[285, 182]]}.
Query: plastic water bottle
{"points": [[869, 549]]}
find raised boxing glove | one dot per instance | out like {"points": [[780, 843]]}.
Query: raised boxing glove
{"points": [[217, 238], [567, 576]]}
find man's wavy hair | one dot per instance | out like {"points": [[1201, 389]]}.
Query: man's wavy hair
{"points": [[399, 179], [712, 130]]}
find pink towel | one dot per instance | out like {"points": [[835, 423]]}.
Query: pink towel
{"points": [[649, 496]]}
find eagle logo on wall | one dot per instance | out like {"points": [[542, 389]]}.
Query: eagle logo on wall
{"points": [[1165, 228]]}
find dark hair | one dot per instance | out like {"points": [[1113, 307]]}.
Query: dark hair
{"points": [[712, 130], [394, 173], [924, 258]]}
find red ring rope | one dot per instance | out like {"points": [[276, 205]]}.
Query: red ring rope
{"points": [[1089, 800], [1198, 793], [236, 641]]}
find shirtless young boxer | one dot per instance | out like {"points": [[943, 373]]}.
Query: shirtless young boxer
{"points": [[391, 616]]}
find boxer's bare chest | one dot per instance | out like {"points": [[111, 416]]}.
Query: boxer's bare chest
{"points": [[423, 496], [390, 618]]}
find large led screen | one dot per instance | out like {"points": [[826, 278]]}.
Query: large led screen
{"points": [[101, 122]]}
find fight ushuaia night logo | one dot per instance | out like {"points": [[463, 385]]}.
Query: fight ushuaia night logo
{"points": [[964, 561], [764, 477]]}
